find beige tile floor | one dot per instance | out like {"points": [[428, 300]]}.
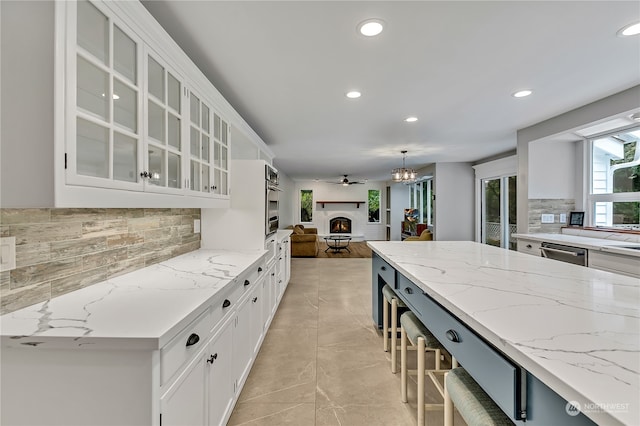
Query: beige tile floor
{"points": [[322, 361]]}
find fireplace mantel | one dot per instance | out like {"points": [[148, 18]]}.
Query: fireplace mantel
{"points": [[357, 203]]}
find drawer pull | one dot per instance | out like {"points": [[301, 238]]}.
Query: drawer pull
{"points": [[529, 246], [453, 336], [212, 358], [246, 282], [226, 303], [193, 339], [255, 299], [259, 268], [384, 268], [408, 290]]}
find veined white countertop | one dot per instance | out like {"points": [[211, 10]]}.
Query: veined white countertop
{"points": [[138, 310], [604, 244], [576, 329]]}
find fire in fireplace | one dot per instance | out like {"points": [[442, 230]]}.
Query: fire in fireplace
{"points": [[340, 225]]}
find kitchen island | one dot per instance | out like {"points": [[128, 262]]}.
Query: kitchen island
{"points": [[565, 333]]}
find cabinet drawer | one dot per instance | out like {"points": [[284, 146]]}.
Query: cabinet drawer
{"points": [[183, 346], [225, 302], [497, 376], [384, 270], [529, 247], [618, 263], [247, 279]]}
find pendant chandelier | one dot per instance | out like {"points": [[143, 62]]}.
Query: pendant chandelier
{"points": [[404, 174]]}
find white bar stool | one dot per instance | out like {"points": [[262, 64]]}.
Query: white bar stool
{"points": [[391, 299], [416, 333], [473, 404]]}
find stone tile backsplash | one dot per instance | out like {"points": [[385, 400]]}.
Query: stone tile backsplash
{"points": [[537, 207], [61, 250]]}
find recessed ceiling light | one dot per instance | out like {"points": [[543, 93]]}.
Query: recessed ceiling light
{"points": [[353, 94], [411, 119], [635, 116], [370, 27], [629, 30], [522, 93]]}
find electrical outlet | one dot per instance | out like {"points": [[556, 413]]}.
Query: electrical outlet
{"points": [[196, 226], [563, 218], [7, 253], [546, 218]]}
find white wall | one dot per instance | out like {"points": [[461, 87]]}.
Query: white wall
{"points": [[242, 148], [400, 200], [552, 169], [454, 203]]}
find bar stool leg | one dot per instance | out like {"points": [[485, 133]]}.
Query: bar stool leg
{"points": [[438, 355], [394, 337], [385, 325], [448, 404], [421, 370], [403, 363]]}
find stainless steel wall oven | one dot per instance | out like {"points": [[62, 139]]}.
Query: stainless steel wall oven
{"points": [[272, 191]]}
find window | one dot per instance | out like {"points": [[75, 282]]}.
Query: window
{"points": [[374, 206], [306, 205], [421, 199], [614, 199], [498, 214]]}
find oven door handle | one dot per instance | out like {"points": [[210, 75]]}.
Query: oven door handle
{"points": [[570, 253]]}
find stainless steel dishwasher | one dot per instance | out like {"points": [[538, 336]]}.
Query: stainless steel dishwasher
{"points": [[568, 254]]}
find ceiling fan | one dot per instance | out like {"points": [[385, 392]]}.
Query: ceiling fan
{"points": [[346, 182]]}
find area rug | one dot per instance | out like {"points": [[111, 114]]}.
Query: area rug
{"points": [[358, 249]]}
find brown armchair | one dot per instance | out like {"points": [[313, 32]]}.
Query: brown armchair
{"points": [[304, 241], [425, 235]]}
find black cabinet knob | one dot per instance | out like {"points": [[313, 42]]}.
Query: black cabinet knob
{"points": [[528, 245], [246, 282], [384, 268], [226, 303], [193, 339], [408, 290], [145, 174], [255, 299], [259, 268], [212, 358], [453, 336]]}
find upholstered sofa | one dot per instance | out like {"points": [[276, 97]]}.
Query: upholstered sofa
{"points": [[304, 241], [425, 235]]}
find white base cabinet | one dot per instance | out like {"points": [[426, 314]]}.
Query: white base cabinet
{"points": [[618, 263]]}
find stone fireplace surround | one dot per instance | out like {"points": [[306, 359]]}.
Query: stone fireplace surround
{"points": [[358, 219]]}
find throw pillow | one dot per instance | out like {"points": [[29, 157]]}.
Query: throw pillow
{"points": [[298, 230]]}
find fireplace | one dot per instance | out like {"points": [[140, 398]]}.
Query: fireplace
{"points": [[340, 225]]}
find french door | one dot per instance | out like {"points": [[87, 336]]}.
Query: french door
{"points": [[498, 211]]}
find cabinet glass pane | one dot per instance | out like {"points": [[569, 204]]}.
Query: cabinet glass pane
{"points": [[216, 154], [216, 181], [223, 158], [173, 131], [225, 132], [174, 170], [93, 30], [125, 104], [156, 79], [125, 158], [195, 176], [195, 139], [205, 118], [205, 178], [223, 183], [216, 126], [124, 54], [156, 122], [156, 166], [205, 148], [92, 89], [173, 90], [195, 109], [92, 145]]}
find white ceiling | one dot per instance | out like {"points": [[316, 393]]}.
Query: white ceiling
{"points": [[285, 67]]}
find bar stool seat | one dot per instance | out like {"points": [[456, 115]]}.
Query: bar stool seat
{"points": [[420, 337], [391, 299], [473, 404]]}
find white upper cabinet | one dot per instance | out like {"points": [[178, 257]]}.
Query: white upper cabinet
{"points": [[139, 127]]}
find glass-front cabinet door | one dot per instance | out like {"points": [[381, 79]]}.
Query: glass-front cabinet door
{"points": [[221, 137], [106, 126], [200, 140]]}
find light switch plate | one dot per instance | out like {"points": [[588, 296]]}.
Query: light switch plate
{"points": [[196, 226], [546, 218], [7, 253]]}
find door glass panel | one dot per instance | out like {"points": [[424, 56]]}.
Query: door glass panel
{"points": [[195, 109], [93, 30], [173, 90], [92, 89], [174, 170], [224, 132], [173, 131], [125, 158], [216, 154], [223, 158], [156, 122], [125, 103], [491, 213], [156, 166], [124, 55], [195, 176], [156, 79], [195, 149], [513, 203], [205, 118], [205, 148], [205, 178], [216, 181], [92, 144]]}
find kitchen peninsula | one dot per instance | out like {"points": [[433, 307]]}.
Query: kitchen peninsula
{"points": [[536, 333]]}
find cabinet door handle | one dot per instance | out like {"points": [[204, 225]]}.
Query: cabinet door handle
{"points": [[383, 268], [255, 299], [246, 282], [226, 303], [193, 339], [453, 336], [529, 246], [212, 358], [145, 174], [408, 290]]}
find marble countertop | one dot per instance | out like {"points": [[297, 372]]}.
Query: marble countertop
{"points": [[576, 329], [138, 310], [604, 244]]}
